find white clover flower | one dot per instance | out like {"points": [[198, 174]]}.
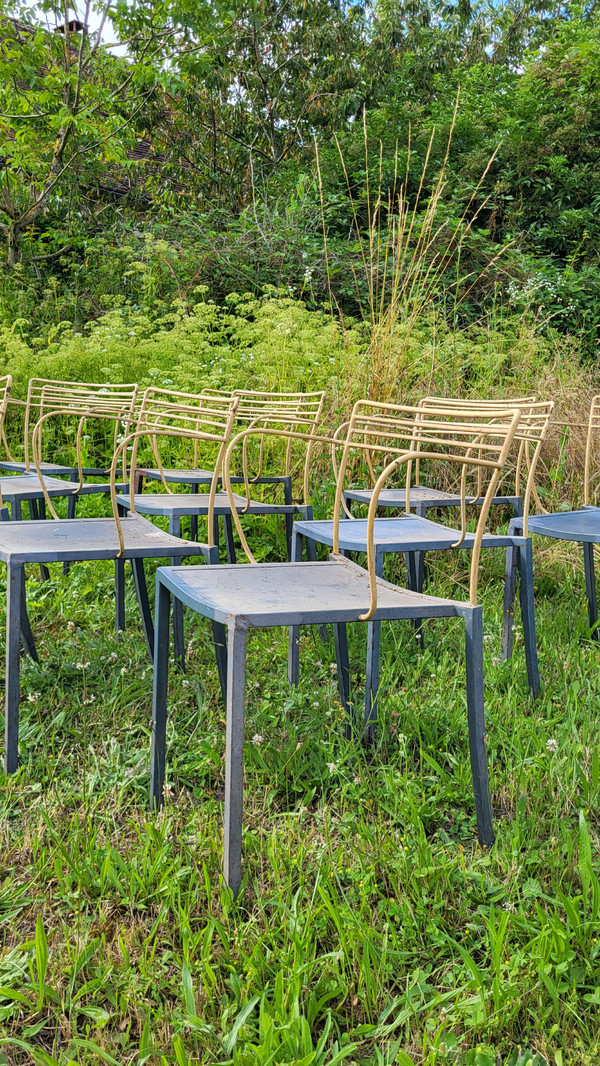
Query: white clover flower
{"points": [[258, 739], [331, 766], [551, 745]]}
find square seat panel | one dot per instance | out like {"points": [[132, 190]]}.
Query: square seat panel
{"points": [[406, 533], [422, 497], [200, 476], [53, 469], [582, 526], [291, 594], [25, 487], [187, 503], [69, 540]]}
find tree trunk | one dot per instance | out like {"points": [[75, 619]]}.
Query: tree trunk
{"points": [[12, 234]]}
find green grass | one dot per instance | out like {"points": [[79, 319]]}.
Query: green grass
{"points": [[371, 927]]}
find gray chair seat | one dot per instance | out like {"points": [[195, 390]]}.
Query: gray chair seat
{"points": [[422, 497], [201, 476], [581, 526], [183, 504], [53, 469], [416, 535], [292, 594], [407, 533], [71, 540], [25, 488]]}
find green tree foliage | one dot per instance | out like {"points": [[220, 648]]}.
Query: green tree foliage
{"points": [[70, 109]]}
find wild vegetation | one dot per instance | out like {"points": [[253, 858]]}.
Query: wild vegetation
{"points": [[387, 198]]}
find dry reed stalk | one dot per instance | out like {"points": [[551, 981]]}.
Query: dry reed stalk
{"points": [[403, 257]]}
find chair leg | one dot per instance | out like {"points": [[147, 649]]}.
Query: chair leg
{"points": [[526, 598], [34, 514], [311, 555], [178, 634], [372, 681], [26, 631], [414, 581], [510, 588], [15, 579], [159, 697], [71, 504], [220, 643], [476, 718], [419, 557], [229, 541], [120, 594], [294, 631], [120, 589], [216, 530], [234, 758], [289, 518], [194, 517], [372, 673], [340, 636], [590, 588], [141, 591]]}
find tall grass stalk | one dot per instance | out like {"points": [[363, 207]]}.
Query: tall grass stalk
{"points": [[408, 246]]}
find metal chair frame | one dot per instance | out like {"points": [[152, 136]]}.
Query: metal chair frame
{"points": [[581, 526], [291, 410], [426, 497], [44, 394], [119, 537], [292, 594], [414, 535]]}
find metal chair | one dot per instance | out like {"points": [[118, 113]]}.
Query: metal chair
{"points": [[581, 526], [46, 394], [414, 535], [338, 591], [428, 497], [76, 539], [291, 411], [47, 399]]}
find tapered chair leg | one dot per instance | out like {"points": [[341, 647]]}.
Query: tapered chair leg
{"points": [[229, 541], [294, 631], [15, 580], [71, 503], [590, 588], [372, 680], [220, 643], [178, 634], [340, 636], [120, 594], [26, 631], [510, 589], [311, 555], [234, 763], [289, 518], [526, 597], [120, 587], [36, 514], [194, 518], [476, 719], [141, 591], [372, 672], [159, 697]]}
